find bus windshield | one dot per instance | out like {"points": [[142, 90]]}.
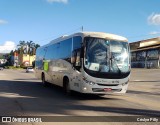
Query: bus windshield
{"points": [[106, 56]]}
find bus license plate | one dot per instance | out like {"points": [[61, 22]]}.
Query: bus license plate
{"points": [[107, 89]]}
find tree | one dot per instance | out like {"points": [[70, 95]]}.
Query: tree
{"points": [[21, 47], [11, 53], [31, 46], [21, 43], [8, 57], [36, 46], [28, 47]]}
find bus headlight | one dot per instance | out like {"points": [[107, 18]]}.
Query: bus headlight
{"points": [[123, 84], [92, 83], [88, 82]]}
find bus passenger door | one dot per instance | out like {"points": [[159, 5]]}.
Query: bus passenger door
{"points": [[52, 72], [76, 64], [76, 81]]}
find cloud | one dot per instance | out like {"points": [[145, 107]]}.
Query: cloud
{"points": [[154, 33], [154, 19], [7, 47], [3, 21], [59, 1]]}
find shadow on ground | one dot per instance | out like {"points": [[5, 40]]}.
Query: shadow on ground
{"points": [[32, 97]]}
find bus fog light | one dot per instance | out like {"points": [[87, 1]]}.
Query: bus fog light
{"points": [[84, 88]]}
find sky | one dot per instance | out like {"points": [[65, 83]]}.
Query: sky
{"points": [[44, 20]]}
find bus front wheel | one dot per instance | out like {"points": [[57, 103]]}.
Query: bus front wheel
{"points": [[66, 86]]}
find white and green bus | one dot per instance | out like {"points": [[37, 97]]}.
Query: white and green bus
{"points": [[86, 62]]}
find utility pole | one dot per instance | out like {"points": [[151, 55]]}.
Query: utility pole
{"points": [[82, 28]]}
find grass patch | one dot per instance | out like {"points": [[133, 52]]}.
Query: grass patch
{"points": [[12, 67]]}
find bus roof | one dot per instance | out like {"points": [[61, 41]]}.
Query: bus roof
{"points": [[90, 34], [103, 35]]}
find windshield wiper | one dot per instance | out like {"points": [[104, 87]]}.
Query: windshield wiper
{"points": [[111, 57]]}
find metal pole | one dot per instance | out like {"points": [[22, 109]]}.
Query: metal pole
{"points": [[82, 28]]}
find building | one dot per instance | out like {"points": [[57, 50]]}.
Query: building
{"points": [[145, 53], [15, 58], [26, 59], [21, 59]]}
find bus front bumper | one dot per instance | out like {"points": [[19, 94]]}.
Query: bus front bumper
{"points": [[97, 89]]}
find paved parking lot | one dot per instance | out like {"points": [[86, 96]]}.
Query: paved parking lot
{"points": [[23, 95]]}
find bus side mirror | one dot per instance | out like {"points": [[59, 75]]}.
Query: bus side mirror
{"points": [[86, 62], [78, 59], [73, 58]]}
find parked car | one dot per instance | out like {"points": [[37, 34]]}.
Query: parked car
{"points": [[29, 69]]}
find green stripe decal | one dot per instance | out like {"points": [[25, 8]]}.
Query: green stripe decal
{"points": [[46, 66]]}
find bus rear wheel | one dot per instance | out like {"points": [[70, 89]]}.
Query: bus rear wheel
{"points": [[44, 81]]}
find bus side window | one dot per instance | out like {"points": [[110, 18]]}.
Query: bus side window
{"points": [[77, 41]]}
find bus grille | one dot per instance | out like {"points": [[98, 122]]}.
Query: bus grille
{"points": [[107, 84]]}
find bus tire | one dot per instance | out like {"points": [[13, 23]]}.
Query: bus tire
{"points": [[44, 81], [66, 86]]}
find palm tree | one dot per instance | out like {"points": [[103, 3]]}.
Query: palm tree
{"points": [[21, 43], [31, 46], [20, 46], [36, 46], [28, 47]]}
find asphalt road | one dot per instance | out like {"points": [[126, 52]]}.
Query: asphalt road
{"points": [[21, 94]]}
